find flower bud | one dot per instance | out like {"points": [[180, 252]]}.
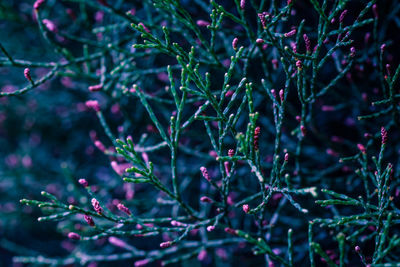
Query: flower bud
{"points": [[74, 236]]}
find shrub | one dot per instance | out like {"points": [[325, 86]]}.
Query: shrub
{"points": [[221, 132]]}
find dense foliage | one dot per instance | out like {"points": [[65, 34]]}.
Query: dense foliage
{"points": [[213, 133]]}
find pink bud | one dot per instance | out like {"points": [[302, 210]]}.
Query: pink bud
{"points": [[100, 145], [291, 33], [83, 182], [234, 43], [307, 42], [178, 224], [246, 208], [227, 167], [38, 3], [259, 41], [96, 206], [299, 64], [121, 207], [281, 95], [357, 249], [388, 69], [341, 18], [206, 199], [231, 152], [27, 74], [95, 88], [303, 130], [210, 228], [257, 132], [261, 16], [144, 27], [202, 255], [362, 148], [230, 231], [286, 157], [165, 244], [93, 104], [142, 263], [89, 220], [375, 10], [242, 4], [352, 52], [205, 173], [383, 46], [74, 236], [50, 25], [117, 242], [202, 23], [384, 135]]}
